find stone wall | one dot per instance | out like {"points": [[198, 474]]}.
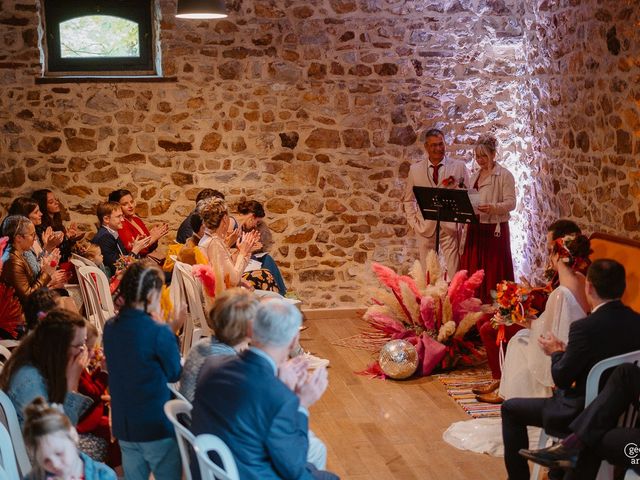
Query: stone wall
{"points": [[315, 109], [584, 67]]}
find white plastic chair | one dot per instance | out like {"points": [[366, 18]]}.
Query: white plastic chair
{"points": [[208, 470], [81, 259], [593, 383], [98, 301], [175, 390], [183, 290], [10, 422], [172, 409], [8, 466], [194, 295]]}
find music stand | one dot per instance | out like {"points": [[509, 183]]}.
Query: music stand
{"points": [[444, 205]]}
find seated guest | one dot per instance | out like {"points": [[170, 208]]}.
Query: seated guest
{"points": [[52, 443], [45, 241], [489, 334], [132, 225], [111, 218], [526, 371], [91, 252], [142, 356], [94, 381], [38, 304], [262, 419], [229, 269], [190, 252], [250, 217], [596, 435], [48, 363], [611, 329], [229, 319], [16, 271], [52, 217], [186, 230]]}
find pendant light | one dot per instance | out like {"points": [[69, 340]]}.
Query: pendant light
{"points": [[201, 9]]}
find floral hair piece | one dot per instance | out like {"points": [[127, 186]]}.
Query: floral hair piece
{"points": [[574, 251]]}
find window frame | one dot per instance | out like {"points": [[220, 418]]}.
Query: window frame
{"points": [[138, 11]]}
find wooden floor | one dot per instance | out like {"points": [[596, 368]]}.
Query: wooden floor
{"points": [[378, 429]]}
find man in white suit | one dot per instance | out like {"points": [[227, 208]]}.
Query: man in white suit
{"points": [[436, 171]]}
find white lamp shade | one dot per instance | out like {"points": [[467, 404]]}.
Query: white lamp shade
{"points": [[201, 9]]}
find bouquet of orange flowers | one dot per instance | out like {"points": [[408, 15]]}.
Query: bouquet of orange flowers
{"points": [[513, 303]]}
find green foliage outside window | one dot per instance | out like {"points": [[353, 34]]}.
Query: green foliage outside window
{"points": [[99, 36]]}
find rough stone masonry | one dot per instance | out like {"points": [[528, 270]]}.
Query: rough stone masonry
{"points": [[316, 107]]}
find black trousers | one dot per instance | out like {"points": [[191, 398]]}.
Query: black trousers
{"points": [[553, 414], [596, 426]]}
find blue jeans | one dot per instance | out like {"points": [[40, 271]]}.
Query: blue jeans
{"points": [[161, 457]]}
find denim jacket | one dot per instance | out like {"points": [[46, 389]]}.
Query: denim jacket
{"points": [[27, 383], [92, 471]]}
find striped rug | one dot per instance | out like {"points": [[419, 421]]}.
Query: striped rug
{"points": [[459, 384]]}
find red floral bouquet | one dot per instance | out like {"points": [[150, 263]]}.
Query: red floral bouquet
{"points": [[514, 305], [427, 311]]}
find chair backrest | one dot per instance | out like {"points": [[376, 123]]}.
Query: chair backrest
{"points": [[193, 289], [625, 251], [593, 379], [208, 470], [175, 390], [182, 290], [8, 464], [81, 259], [95, 286], [185, 438], [10, 422], [5, 353]]}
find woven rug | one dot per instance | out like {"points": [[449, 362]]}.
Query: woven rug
{"points": [[459, 384]]}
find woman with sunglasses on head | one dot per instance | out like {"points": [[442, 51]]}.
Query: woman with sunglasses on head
{"points": [[16, 270]]}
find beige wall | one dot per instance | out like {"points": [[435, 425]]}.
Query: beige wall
{"points": [[313, 107]]}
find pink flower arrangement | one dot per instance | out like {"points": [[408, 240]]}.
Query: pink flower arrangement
{"points": [[427, 311]]}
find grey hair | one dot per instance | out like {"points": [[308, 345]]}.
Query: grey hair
{"points": [[487, 145], [276, 323], [15, 225]]}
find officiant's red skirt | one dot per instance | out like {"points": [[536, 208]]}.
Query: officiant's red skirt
{"points": [[485, 250]]}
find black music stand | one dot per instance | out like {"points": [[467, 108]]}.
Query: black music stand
{"points": [[444, 205]]}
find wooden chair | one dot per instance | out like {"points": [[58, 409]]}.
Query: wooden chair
{"points": [[593, 382], [208, 470], [8, 466], [10, 422], [173, 409]]}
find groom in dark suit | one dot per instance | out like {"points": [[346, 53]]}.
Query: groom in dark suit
{"points": [[259, 412], [611, 329]]}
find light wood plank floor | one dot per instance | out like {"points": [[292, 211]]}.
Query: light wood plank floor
{"points": [[383, 430]]}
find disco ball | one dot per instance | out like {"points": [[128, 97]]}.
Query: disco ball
{"points": [[398, 359]]}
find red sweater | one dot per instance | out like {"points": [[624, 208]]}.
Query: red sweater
{"points": [[129, 232], [93, 385]]}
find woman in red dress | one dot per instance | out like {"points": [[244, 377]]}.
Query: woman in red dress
{"points": [[493, 194], [133, 226]]}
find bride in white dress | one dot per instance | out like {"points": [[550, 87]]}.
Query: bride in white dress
{"points": [[526, 371]]}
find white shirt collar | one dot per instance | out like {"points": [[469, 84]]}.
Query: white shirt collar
{"points": [[112, 232], [600, 305]]}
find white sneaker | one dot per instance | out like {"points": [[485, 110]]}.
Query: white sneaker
{"points": [[315, 362]]}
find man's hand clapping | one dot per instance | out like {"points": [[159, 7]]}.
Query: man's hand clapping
{"points": [[313, 388]]}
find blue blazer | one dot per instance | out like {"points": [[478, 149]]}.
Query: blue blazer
{"points": [[142, 356], [110, 247], [257, 416]]}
